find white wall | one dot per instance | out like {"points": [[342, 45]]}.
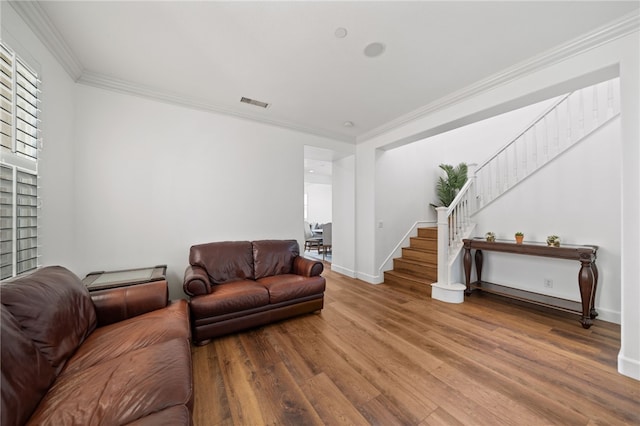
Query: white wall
{"points": [[622, 52], [129, 182], [629, 356], [319, 202], [152, 179], [343, 228], [406, 176], [581, 203], [56, 165]]}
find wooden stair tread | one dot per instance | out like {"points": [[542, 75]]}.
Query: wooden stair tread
{"points": [[409, 277], [417, 269], [416, 262]]}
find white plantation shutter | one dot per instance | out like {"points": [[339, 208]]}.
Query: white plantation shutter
{"points": [[19, 138], [6, 98], [6, 222]]}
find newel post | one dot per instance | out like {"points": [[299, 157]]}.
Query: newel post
{"points": [[471, 175], [443, 290], [443, 245]]}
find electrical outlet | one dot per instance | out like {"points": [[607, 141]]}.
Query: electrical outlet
{"points": [[548, 283]]}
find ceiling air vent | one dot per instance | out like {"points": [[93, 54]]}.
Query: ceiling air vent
{"points": [[254, 102]]}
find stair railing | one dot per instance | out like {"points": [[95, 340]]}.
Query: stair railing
{"points": [[568, 120], [455, 224]]}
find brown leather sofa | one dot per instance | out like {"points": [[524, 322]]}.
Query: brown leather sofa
{"points": [[114, 357], [235, 285]]}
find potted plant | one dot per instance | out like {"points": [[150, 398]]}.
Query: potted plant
{"points": [[553, 241], [448, 187], [490, 236], [519, 237]]}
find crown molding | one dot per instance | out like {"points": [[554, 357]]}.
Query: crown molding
{"points": [[621, 27], [40, 23], [102, 81]]}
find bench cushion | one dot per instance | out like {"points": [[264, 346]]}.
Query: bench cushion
{"points": [[224, 261], [290, 287], [274, 257], [229, 297]]}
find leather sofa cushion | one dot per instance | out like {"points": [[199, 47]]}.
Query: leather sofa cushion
{"points": [[176, 415], [120, 338], [54, 310], [121, 390], [289, 287], [26, 374], [274, 257], [230, 297], [224, 261]]}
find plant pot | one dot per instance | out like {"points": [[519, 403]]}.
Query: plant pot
{"points": [[519, 239]]}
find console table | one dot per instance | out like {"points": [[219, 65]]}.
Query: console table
{"points": [[587, 275]]}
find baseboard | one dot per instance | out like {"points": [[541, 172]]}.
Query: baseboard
{"points": [[344, 271], [609, 315], [371, 279], [449, 293], [628, 367]]}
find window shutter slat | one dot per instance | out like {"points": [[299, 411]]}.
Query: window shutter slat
{"points": [[19, 135]]}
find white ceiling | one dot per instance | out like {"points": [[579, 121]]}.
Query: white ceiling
{"points": [[209, 54]]}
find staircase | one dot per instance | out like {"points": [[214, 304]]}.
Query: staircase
{"points": [[568, 121], [418, 266]]}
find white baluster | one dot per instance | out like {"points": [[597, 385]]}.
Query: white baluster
{"points": [[506, 169], [580, 114], [534, 147], [545, 140], [515, 161], [594, 107], [525, 168], [498, 176], [569, 123], [556, 133], [610, 99]]}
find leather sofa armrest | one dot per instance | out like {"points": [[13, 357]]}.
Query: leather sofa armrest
{"points": [[118, 304], [196, 281], [307, 267]]}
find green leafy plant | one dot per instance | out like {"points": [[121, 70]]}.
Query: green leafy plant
{"points": [[519, 234], [448, 186]]}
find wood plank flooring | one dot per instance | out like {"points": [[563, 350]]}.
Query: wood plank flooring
{"points": [[381, 355]]}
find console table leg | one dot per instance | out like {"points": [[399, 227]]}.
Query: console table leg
{"points": [[586, 282], [594, 269], [479, 260], [467, 269]]}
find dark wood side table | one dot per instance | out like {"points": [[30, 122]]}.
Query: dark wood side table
{"points": [[111, 279], [587, 275]]}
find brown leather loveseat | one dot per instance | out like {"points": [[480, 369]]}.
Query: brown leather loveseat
{"points": [[114, 357], [236, 285]]}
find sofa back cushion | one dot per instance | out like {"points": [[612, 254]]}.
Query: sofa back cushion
{"points": [[54, 310], [274, 257], [26, 373], [224, 261]]}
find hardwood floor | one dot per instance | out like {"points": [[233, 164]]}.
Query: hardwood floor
{"points": [[380, 355]]}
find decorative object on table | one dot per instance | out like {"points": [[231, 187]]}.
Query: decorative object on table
{"points": [[553, 241], [519, 237], [447, 188], [490, 236]]}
